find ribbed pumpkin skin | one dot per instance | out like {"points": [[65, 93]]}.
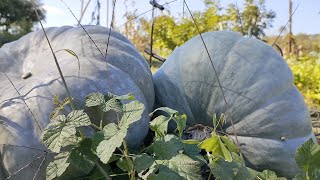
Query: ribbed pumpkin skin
{"points": [[263, 102], [125, 71]]}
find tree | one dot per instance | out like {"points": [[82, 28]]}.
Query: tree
{"points": [[252, 21], [17, 18], [170, 32]]}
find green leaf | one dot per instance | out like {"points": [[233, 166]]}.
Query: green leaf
{"points": [[56, 100], [167, 147], [143, 162], [267, 175], [128, 96], [94, 99], [165, 175], [58, 166], [216, 146], [230, 144], [110, 130], [78, 118], [169, 111], [191, 141], [73, 54], [106, 147], [224, 170], [97, 138], [180, 165], [132, 112], [193, 152], [214, 121], [308, 157], [124, 164], [181, 123], [160, 125], [82, 157], [54, 138], [112, 104]]}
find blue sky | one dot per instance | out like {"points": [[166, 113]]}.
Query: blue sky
{"points": [[305, 20]]}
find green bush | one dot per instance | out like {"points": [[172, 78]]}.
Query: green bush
{"points": [[306, 71]]}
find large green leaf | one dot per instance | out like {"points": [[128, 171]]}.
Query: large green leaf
{"points": [[55, 138], [167, 147], [145, 165], [106, 147], [58, 166], [131, 113], [61, 130], [180, 166], [308, 158], [224, 170], [82, 157], [143, 162]]}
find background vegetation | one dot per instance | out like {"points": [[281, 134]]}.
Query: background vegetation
{"points": [[253, 20]]}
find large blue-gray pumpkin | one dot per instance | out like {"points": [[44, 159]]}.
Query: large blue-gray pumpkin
{"points": [[269, 114], [30, 65]]}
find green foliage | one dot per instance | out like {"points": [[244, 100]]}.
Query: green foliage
{"points": [[170, 32], [225, 170], [308, 158], [168, 156], [306, 71], [160, 123], [62, 129], [219, 146], [17, 19]]}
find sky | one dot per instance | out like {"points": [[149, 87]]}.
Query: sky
{"points": [[305, 20]]}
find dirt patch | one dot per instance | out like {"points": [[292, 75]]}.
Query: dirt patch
{"points": [[315, 118]]}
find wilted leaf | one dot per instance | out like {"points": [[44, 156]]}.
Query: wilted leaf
{"points": [[73, 54], [169, 111], [181, 123]]}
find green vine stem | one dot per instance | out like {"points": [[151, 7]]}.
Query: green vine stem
{"points": [[126, 153], [104, 173]]}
